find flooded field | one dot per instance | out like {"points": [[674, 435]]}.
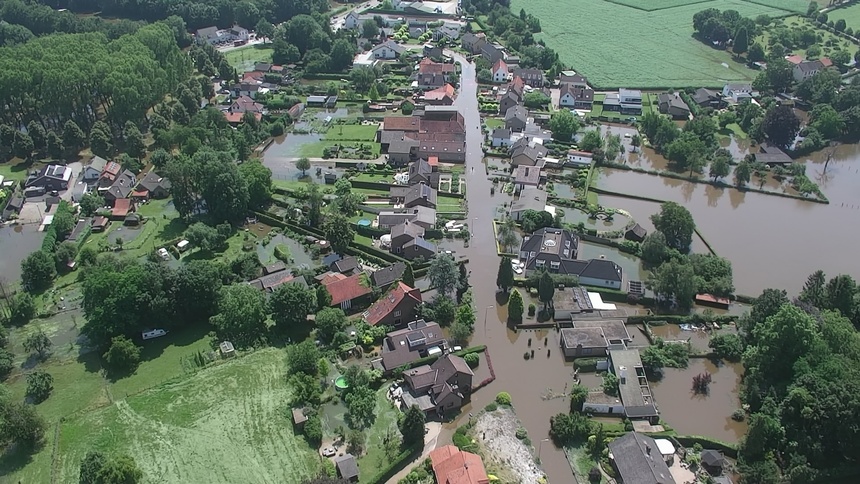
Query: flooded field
{"points": [[299, 257], [17, 242]]}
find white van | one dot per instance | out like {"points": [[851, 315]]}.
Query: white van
{"points": [[182, 245]]}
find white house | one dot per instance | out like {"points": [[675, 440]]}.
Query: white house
{"points": [[803, 70], [601, 273], [387, 50], [579, 158], [213, 36], [737, 91], [501, 137], [351, 20], [500, 72]]}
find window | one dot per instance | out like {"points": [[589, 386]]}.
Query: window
{"points": [[540, 262], [396, 313]]}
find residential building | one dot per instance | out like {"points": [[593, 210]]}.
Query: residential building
{"points": [[473, 43], [525, 152], [431, 51], [422, 216], [638, 460], [249, 89], [273, 280], [439, 131], [94, 170], [673, 105], [454, 466], [430, 81], [736, 92], [532, 77], [516, 118], [351, 21], [593, 338], [448, 31], [573, 79], [109, 174], [492, 52], [530, 199], [121, 208], [438, 388], [442, 96], [573, 96], [803, 70], [630, 101], [385, 277], [500, 72], [636, 233], [154, 186], [51, 177], [500, 138], [570, 303], [407, 240], [508, 100], [421, 171], [549, 248], [428, 66], [242, 105], [387, 50], [413, 196], [122, 186], [346, 265], [708, 98], [772, 155], [213, 35], [412, 343], [526, 176], [633, 387], [579, 158], [348, 291], [601, 273], [347, 467], [396, 307], [713, 461]]}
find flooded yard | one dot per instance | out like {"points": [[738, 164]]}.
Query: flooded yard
{"points": [[17, 242], [299, 258]]}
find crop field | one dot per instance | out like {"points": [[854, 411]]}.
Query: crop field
{"points": [[224, 424], [850, 14], [618, 46]]}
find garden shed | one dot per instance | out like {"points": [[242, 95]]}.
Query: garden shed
{"points": [[227, 349], [299, 417], [636, 233]]}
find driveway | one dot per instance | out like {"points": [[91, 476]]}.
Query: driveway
{"points": [[430, 440]]}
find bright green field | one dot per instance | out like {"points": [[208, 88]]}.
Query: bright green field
{"points": [[243, 58], [353, 132], [618, 46], [850, 14]]}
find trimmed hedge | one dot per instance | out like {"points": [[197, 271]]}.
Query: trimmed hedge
{"points": [[730, 450], [465, 351], [397, 464]]}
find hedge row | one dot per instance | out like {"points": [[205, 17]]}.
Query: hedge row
{"points": [[730, 450], [397, 464], [675, 318], [465, 351]]}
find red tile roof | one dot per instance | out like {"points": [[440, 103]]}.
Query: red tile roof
{"points": [[401, 123], [433, 161], [499, 65], [390, 302], [330, 277], [440, 93], [826, 62], [453, 466], [427, 66], [237, 117], [121, 207], [352, 287], [794, 59]]}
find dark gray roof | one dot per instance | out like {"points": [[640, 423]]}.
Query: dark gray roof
{"points": [[388, 275], [420, 242], [152, 181], [672, 100], [703, 96], [713, 458], [561, 241], [602, 269], [346, 466], [420, 168], [517, 112], [587, 337], [397, 351], [420, 191], [407, 228], [402, 146], [347, 264], [501, 133], [639, 461], [613, 329], [529, 75], [578, 93]]}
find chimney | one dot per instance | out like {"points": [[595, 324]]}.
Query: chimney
{"points": [[647, 449]]}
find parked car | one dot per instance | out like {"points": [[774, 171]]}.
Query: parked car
{"points": [[328, 452]]}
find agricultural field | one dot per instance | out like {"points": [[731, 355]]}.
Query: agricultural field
{"points": [[243, 58], [618, 46], [850, 14]]}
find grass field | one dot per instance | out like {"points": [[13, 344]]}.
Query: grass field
{"points": [[315, 149], [243, 59], [850, 14], [830, 42], [353, 132], [618, 46]]}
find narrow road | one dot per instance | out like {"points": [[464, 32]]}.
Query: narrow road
{"points": [[526, 381], [431, 439]]}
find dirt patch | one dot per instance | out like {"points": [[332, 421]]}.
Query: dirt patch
{"points": [[496, 432]]}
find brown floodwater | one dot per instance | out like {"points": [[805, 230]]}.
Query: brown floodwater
{"points": [[709, 415], [17, 242]]}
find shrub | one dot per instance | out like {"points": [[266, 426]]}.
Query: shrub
{"points": [[39, 385], [123, 355], [738, 415], [532, 309], [522, 433], [472, 359], [491, 407], [313, 430], [503, 398]]}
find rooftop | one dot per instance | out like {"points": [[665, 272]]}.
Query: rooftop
{"points": [[613, 329], [639, 460], [348, 289], [632, 384], [389, 302]]}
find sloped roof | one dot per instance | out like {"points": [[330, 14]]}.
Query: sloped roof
{"points": [[346, 466], [389, 302], [454, 466], [639, 460], [347, 289], [387, 275]]}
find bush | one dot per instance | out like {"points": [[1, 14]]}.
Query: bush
{"points": [[491, 407], [503, 398], [122, 356], [739, 415], [313, 430], [40, 384], [472, 359], [7, 363], [522, 433], [532, 309]]}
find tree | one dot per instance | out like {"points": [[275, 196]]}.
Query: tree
{"points": [[505, 276], [338, 231], [37, 134], [90, 203], [373, 94], [22, 309], [360, 407], [23, 145], [781, 125], [813, 290], [20, 424], [756, 53], [564, 125], [676, 223], [827, 121], [443, 274], [55, 145], [73, 136], [369, 29], [460, 332], [242, 315], [291, 304], [408, 276], [264, 29], [91, 465], [303, 164], [593, 140], [546, 289], [566, 428], [38, 271], [654, 250], [123, 356], [742, 173], [38, 342], [258, 179], [728, 346], [342, 53], [515, 306], [40, 384], [303, 358], [676, 280], [412, 426], [635, 142], [96, 468], [134, 144], [741, 41], [537, 100], [840, 25], [203, 237], [329, 322], [578, 396], [719, 168]]}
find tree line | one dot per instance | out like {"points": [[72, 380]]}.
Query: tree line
{"points": [[23, 20]]}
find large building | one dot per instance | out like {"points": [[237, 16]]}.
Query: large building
{"points": [[439, 132], [555, 250]]}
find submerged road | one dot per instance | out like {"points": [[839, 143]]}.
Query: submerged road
{"points": [[531, 383]]}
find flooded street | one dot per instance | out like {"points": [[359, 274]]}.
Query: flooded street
{"points": [[528, 382]]}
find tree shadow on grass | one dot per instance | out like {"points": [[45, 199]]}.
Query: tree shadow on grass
{"points": [[172, 230], [91, 359], [17, 457]]}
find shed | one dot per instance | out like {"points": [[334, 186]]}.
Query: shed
{"points": [[636, 233], [347, 468], [713, 461], [227, 349], [299, 417], [132, 219], [330, 178]]}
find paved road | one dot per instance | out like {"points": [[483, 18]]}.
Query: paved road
{"points": [[337, 20]]}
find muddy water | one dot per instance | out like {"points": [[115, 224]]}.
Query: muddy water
{"points": [[528, 381], [709, 415], [17, 242], [771, 241]]}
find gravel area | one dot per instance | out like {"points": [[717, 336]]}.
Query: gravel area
{"points": [[498, 430]]}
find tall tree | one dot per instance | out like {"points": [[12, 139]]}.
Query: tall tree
{"points": [[742, 173], [38, 271], [258, 179], [813, 290], [515, 306], [412, 426], [338, 231], [676, 280], [563, 125], [546, 289], [781, 125], [23, 146], [443, 274], [292, 303], [329, 322], [719, 168], [741, 41], [37, 134], [505, 276], [303, 164], [241, 315], [73, 135], [676, 223]]}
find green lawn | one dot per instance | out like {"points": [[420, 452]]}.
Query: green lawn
{"points": [[244, 58], [353, 132], [666, 54], [162, 226], [850, 14], [374, 458], [315, 149], [830, 42], [374, 177], [493, 123], [16, 169], [734, 129]]}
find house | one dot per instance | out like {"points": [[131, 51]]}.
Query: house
{"points": [[422, 216], [121, 208], [492, 52], [392, 309], [346, 266], [407, 240], [630, 101], [439, 387], [530, 199], [573, 96], [633, 387], [273, 268], [347, 468], [526, 176], [387, 276], [593, 338], [473, 43], [578, 158], [569, 303], [93, 171], [673, 105], [454, 466], [432, 51], [421, 171], [207, 34], [242, 105], [637, 460], [387, 50], [803, 70], [708, 98], [549, 248], [213, 35], [409, 197], [771, 155], [50, 177], [442, 96], [516, 118], [431, 80], [402, 151], [636, 233], [273, 280], [100, 224], [428, 66], [573, 79], [713, 461], [501, 137], [500, 72], [246, 88], [412, 343], [121, 187], [448, 31], [438, 131], [527, 154], [532, 77], [601, 273], [155, 186], [351, 21], [735, 92], [299, 417], [349, 290]]}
